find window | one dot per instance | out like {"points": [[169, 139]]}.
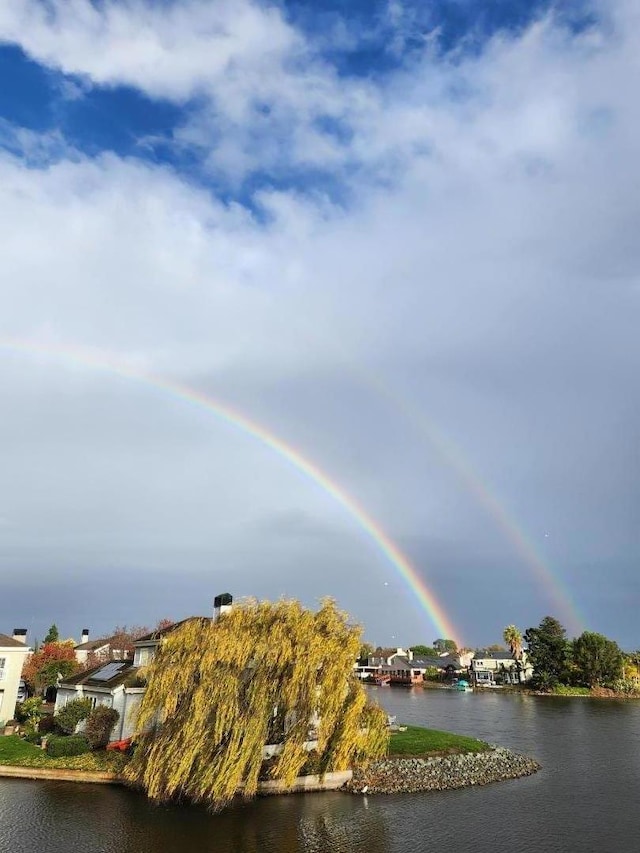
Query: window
{"points": [[144, 656], [3, 663]]}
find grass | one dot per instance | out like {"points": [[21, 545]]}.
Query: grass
{"points": [[417, 741], [564, 690], [19, 753]]}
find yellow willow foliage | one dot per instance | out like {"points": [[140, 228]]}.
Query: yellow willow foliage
{"points": [[263, 673]]}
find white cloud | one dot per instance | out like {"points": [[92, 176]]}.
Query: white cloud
{"points": [[173, 50], [485, 266], [265, 94]]}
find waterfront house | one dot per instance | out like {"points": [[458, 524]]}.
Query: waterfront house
{"points": [[120, 683], [413, 670], [368, 668], [13, 653], [113, 684], [489, 668]]}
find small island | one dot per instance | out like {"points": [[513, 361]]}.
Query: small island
{"points": [[421, 759], [260, 699]]}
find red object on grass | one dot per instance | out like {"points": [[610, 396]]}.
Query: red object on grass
{"points": [[120, 745]]}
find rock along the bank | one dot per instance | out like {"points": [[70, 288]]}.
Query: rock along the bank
{"points": [[440, 773]]}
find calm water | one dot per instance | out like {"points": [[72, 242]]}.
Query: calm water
{"points": [[584, 799]]}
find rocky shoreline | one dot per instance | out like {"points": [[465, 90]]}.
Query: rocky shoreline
{"points": [[440, 773]]}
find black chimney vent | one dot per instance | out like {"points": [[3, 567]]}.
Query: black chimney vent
{"points": [[223, 600]]}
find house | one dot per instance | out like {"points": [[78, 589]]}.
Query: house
{"points": [[398, 666], [144, 648], [114, 684], [13, 653], [102, 649], [489, 668], [368, 668], [404, 670], [120, 683]]}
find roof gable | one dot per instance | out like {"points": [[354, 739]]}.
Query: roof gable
{"points": [[154, 636], [7, 642]]}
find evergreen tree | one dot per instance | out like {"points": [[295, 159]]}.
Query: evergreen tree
{"points": [[443, 645], [549, 653], [53, 635], [598, 660], [424, 651]]}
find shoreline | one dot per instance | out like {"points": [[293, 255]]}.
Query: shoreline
{"points": [[312, 783], [390, 775], [396, 775], [516, 691]]}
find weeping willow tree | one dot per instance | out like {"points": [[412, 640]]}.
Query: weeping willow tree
{"points": [[263, 673]]}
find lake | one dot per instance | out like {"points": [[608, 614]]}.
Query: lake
{"points": [[585, 798]]}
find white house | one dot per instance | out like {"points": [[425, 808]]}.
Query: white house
{"points": [[13, 653], [491, 668], [119, 683], [113, 684]]}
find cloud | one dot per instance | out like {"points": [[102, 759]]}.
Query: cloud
{"points": [[262, 97], [173, 50], [472, 269]]}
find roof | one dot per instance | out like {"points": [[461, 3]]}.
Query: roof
{"points": [[121, 669], [384, 653], [92, 645], [153, 636], [7, 642], [483, 655], [427, 663]]}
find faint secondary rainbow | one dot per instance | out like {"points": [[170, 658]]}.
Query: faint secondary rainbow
{"points": [[231, 416], [555, 589]]}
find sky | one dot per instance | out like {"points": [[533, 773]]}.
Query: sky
{"points": [[393, 243]]}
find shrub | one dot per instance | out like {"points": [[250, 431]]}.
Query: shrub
{"points": [[100, 722], [59, 746], [73, 713], [47, 725], [565, 690], [29, 711], [32, 737], [627, 686]]}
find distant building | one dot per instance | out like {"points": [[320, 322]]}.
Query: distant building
{"points": [[13, 653], [493, 668]]}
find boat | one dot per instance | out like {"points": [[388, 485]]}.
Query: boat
{"points": [[462, 686]]}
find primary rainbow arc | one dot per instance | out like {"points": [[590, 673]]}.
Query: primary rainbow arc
{"points": [[233, 417]]}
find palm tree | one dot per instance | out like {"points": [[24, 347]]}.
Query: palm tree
{"points": [[513, 638]]}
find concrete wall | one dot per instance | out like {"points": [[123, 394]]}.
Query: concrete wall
{"points": [[14, 659]]}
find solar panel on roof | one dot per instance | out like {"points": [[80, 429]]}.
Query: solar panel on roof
{"points": [[107, 672]]}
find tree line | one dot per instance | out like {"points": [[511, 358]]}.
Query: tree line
{"points": [[588, 661]]}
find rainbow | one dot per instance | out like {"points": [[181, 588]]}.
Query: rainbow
{"points": [[231, 416], [556, 592]]}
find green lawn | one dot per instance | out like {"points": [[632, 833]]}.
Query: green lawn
{"points": [[14, 750], [418, 741]]}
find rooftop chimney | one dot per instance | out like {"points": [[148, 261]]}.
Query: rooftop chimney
{"points": [[20, 634], [85, 635], [221, 604]]}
